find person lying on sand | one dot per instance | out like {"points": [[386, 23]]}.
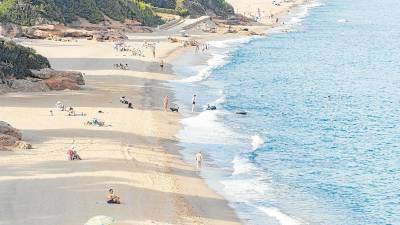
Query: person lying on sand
{"points": [[112, 198], [71, 111], [72, 154], [123, 100]]}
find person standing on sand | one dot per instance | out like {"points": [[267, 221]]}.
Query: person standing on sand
{"points": [[193, 102], [166, 103], [199, 160], [154, 51], [162, 65]]}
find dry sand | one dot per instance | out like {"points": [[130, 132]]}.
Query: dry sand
{"points": [[264, 8], [40, 187]]}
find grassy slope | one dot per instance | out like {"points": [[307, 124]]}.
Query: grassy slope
{"points": [[16, 60], [31, 12]]}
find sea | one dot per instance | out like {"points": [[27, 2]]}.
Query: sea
{"points": [[320, 141]]}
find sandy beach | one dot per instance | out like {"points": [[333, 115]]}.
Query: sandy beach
{"points": [[41, 187], [135, 153], [265, 9]]}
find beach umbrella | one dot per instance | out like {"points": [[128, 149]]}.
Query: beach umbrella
{"points": [[100, 220]]}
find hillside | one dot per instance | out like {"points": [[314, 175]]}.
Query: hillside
{"points": [[17, 61], [34, 12]]}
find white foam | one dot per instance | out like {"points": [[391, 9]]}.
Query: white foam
{"points": [[241, 166], [342, 21], [245, 190], [280, 216], [256, 141], [215, 61], [296, 17], [197, 129], [220, 100]]}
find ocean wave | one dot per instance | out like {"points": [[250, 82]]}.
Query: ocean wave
{"points": [[196, 129], [295, 18], [256, 141], [245, 190], [229, 43], [241, 166], [280, 216], [215, 61]]}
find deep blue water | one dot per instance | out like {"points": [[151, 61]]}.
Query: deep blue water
{"points": [[320, 143]]}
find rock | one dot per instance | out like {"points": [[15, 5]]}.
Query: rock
{"points": [[61, 83], [7, 140], [45, 80], [9, 136], [7, 129], [22, 145], [10, 30], [28, 85], [47, 73], [256, 33]]}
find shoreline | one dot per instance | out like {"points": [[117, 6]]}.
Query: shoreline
{"points": [[189, 58], [147, 170]]}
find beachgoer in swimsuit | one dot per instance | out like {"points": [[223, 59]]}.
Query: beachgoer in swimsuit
{"points": [[166, 103], [111, 198], [199, 160]]}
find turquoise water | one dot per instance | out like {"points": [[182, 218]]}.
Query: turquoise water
{"points": [[320, 143]]}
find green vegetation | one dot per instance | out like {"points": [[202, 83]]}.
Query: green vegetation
{"points": [[17, 61], [31, 12]]}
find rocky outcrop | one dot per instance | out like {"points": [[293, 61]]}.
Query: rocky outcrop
{"points": [[9, 136], [47, 73], [22, 145], [45, 80]]}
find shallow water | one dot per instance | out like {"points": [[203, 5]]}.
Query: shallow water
{"points": [[320, 143]]}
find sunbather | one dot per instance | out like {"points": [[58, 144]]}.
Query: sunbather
{"points": [[72, 154], [111, 198]]}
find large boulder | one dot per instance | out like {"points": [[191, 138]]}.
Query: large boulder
{"points": [[7, 129], [28, 85], [61, 83], [48, 73], [9, 136]]}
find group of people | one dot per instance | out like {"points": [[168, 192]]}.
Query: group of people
{"points": [[61, 107], [124, 100], [121, 66], [121, 47], [203, 47], [166, 103]]}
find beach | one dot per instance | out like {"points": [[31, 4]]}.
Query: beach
{"points": [[41, 187], [267, 11], [135, 153]]}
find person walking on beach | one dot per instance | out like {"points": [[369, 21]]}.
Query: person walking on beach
{"points": [[193, 102], [199, 160], [166, 103], [162, 65]]}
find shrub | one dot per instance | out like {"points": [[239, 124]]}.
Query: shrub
{"points": [[17, 60]]}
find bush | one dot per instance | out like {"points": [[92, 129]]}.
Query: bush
{"points": [[31, 12], [17, 61]]}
